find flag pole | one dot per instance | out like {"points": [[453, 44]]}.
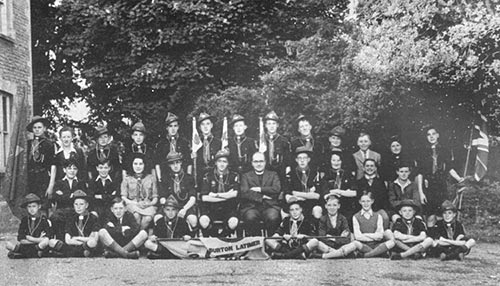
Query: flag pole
{"points": [[195, 168], [460, 192]]}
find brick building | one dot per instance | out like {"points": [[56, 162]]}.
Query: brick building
{"points": [[15, 67]]}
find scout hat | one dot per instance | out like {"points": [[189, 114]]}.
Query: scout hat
{"points": [[79, 194], [448, 206], [174, 156], [171, 118], [338, 131], [171, 202], [35, 119], [139, 126], [30, 198], [224, 153], [237, 118], [408, 203], [271, 116], [100, 130], [204, 116], [303, 149]]}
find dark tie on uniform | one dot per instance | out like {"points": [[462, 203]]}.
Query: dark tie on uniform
{"points": [[80, 225], [449, 231], [220, 188], [308, 143], [35, 147], [238, 146], [173, 146], [294, 229], [271, 148], [410, 228], [206, 151], [434, 160], [303, 180], [177, 184]]}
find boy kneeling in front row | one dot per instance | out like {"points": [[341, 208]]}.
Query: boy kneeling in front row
{"points": [[81, 230], [34, 231], [409, 233], [294, 229], [121, 232], [449, 237], [169, 226]]}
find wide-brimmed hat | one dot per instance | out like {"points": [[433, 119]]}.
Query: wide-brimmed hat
{"points": [[36, 119], [174, 156], [30, 198], [448, 206], [171, 118], [338, 131], [303, 149], [224, 153], [139, 126], [79, 194], [271, 116], [100, 130], [237, 118], [408, 203], [205, 116], [171, 202]]}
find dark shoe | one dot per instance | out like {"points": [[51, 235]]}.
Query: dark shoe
{"points": [[460, 256], [442, 256], [278, 255], [316, 255], [153, 255], [133, 255], [15, 255], [396, 256], [110, 254]]}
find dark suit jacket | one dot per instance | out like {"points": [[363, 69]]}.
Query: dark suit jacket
{"points": [[270, 186], [326, 227]]}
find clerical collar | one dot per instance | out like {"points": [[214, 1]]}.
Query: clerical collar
{"points": [[259, 173], [370, 177]]}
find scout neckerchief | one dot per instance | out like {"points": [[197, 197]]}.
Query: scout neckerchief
{"points": [[271, 138], [173, 143], [206, 148], [239, 140], [338, 178], [80, 225], [219, 177], [295, 225], [33, 223], [141, 192], [450, 228], [35, 149], [303, 174], [102, 152], [309, 141], [139, 148], [171, 226], [409, 225], [434, 159], [178, 177]]}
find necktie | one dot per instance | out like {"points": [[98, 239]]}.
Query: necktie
{"points": [[271, 148], [32, 225], [220, 188], [410, 227], [80, 225], [303, 180], [238, 145], [177, 184], [294, 230], [173, 145], [35, 149], [206, 151], [337, 180], [308, 143], [434, 160], [365, 155], [449, 231]]}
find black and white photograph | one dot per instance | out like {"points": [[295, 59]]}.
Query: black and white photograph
{"points": [[250, 142]]}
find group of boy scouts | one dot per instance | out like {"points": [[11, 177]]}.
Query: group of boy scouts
{"points": [[308, 198]]}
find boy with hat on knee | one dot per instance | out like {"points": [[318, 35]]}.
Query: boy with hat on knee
{"points": [[34, 231], [410, 233]]}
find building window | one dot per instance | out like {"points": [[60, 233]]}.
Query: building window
{"points": [[5, 117], [6, 19]]}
